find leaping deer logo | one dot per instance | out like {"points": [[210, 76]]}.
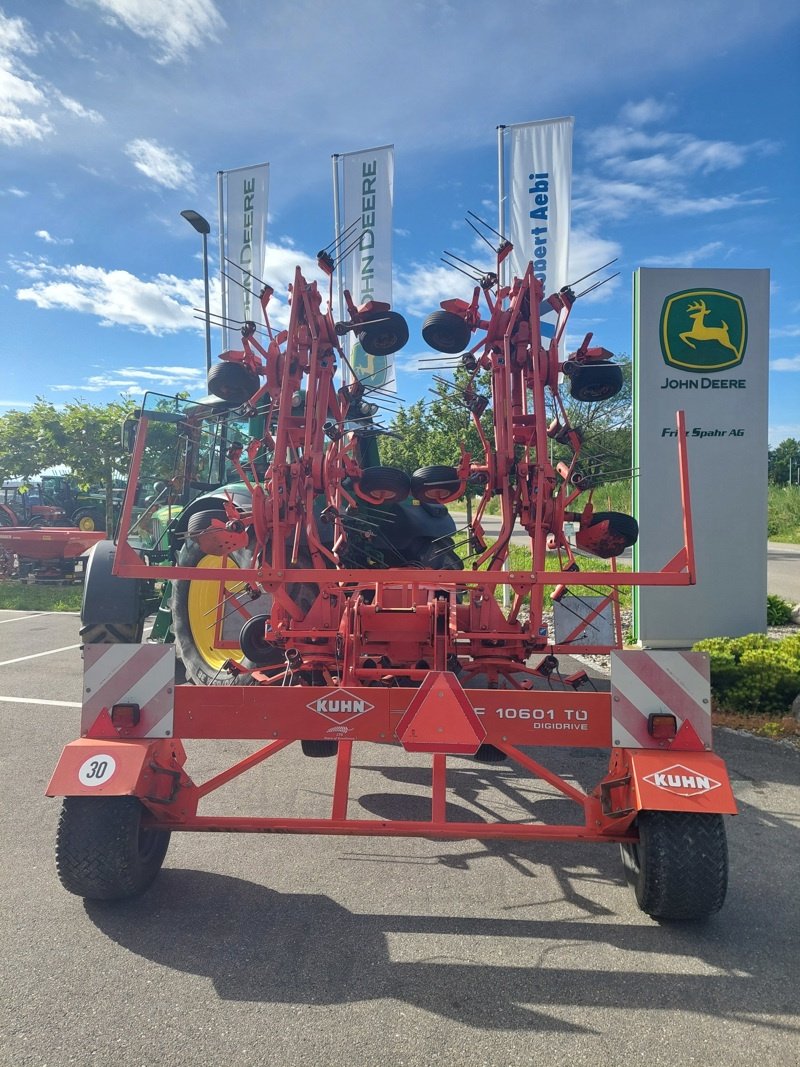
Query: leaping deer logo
{"points": [[697, 312]]}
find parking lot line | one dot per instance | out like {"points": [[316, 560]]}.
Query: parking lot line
{"points": [[36, 655], [33, 700]]}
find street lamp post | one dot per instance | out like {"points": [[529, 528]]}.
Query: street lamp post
{"points": [[201, 225]]}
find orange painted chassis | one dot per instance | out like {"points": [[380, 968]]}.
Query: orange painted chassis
{"points": [[426, 619]]}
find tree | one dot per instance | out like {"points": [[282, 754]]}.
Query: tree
{"points": [[784, 460], [84, 437]]}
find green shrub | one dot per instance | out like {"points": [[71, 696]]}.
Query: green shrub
{"points": [[754, 674], [778, 611]]}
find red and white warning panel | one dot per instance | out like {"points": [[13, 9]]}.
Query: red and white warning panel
{"points": [[139, 676], [645, 683]]}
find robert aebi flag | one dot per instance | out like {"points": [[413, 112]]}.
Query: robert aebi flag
{"points": [[540, 165]]}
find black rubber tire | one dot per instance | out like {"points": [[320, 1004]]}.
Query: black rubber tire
{"points": [[438, 478], [88, 519], [447, 332], [257, 649], [438, 555], [385, 337], [232, 382], [593, 382], [112, 633], [679, 868], [198, 669], [489, 754], [386, 479], [112, 609], [623, 532], [201, 520], [102, 852], [319, 749]]}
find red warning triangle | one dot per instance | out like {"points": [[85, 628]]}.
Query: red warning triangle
{"points": [[440, 718]]}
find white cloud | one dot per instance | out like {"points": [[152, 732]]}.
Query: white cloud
{"points": [[161, 165], [785, 331], [117, 298], [634, 168], [29, 104], [642, 112], [174, 28], [48, 238], [137, 380], [78, 109], [788, 363], [13, 191], [690, 257]]}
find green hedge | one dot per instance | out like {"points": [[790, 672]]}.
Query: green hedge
{"points": [[754, 674]]}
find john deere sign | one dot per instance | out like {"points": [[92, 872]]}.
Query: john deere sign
{"points": [[703, 330], [710, 329]]}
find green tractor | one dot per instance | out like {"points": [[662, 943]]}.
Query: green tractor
{"points": [[189, 482], [84, 508]]}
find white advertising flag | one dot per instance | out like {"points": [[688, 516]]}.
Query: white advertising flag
{"points": [[243, 225], [367, 197], [540, 164]]}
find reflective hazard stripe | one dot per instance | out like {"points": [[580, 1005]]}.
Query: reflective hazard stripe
{"points": [[131, 674], [647, 682]]}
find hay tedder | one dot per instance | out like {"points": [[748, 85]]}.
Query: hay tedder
{"points": [[317, 597]]}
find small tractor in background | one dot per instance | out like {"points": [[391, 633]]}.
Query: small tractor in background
{"points": [[316, 598]]}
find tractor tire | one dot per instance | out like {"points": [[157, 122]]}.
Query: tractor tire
{"points": [[385, 337], [593, 382], [112, 633], [446, 332], [102, 852], [87, 519], [194, 610], [438, 555], [678, 869], [112, 608], [232, 382]]}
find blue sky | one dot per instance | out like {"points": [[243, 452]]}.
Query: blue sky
{"points": [[116, 114]]}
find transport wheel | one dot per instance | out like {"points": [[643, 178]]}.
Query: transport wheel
{"points": [[319, 749], [233, 382], [102, 851], [391, 483], [255, 646], [386, 336], [591, 382], [679, 867], [88, 519], [431, 484], [446, 332], [608, 533], [196, 612]]}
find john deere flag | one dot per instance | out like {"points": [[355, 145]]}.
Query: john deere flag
{"points": [[242, 225], [367, 199], [540, 184]]}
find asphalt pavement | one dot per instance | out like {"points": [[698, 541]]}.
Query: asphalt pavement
{"points": [[309, 951]]}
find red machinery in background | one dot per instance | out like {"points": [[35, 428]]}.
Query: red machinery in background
{"points": [[347, 649]]}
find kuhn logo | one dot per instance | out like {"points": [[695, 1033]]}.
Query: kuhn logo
{"points": [[703, 330], [682, 780], [340, 706]]}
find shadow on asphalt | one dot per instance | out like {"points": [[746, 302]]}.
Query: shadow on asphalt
{"points": [[257, 944]]}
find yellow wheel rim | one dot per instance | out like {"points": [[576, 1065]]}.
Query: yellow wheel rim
{"points": [[206, 604], [86, 523]]}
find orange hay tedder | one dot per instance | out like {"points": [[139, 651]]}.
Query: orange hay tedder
{"points": [[330, 591]]}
